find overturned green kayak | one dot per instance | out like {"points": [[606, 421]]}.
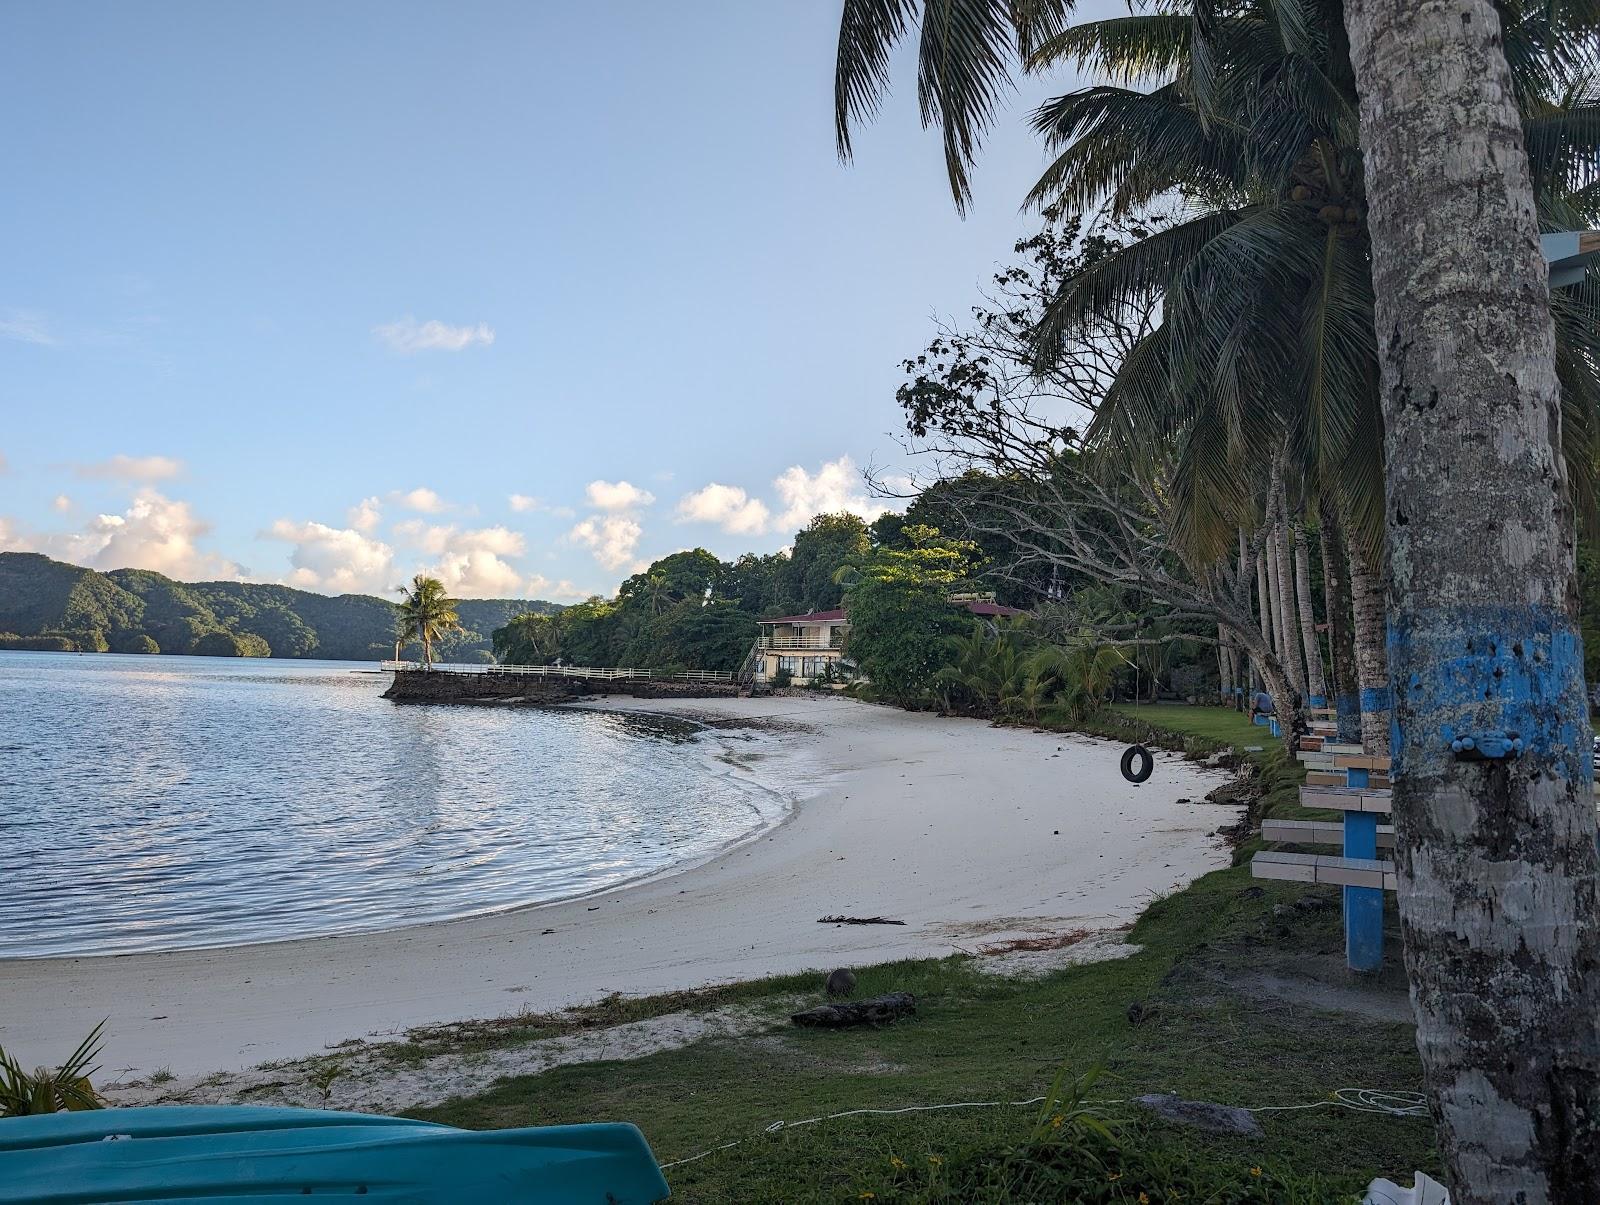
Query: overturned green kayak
{"points": [[249, 1156]]}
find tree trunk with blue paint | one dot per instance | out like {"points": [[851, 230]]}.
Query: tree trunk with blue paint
{"points": [[1493, 806]]}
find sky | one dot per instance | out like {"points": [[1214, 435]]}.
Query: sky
{"points": [[523, 295]]}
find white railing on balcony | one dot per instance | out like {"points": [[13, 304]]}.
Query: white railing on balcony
{"points": [[601, 673], [801, 641]]}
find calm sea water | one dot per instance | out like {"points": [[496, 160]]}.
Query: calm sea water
{"points": [[151, 803]]}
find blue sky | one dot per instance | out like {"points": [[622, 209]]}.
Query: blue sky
{"points": [[330, 293]]}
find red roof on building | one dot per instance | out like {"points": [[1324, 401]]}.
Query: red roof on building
{"points": [[983, 608], [837, 615]]}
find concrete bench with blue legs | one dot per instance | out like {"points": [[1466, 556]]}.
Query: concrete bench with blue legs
{"points": [[1359, 872]]}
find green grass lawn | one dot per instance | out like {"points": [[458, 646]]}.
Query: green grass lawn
{"points": [[1242, 999]]}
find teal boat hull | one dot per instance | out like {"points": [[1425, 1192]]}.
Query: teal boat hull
{"points": [[238, 1155]]}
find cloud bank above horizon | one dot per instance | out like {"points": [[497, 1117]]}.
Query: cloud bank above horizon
{"points": [[379, 540]]}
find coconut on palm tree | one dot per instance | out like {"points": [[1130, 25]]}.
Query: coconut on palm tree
{"points": [[426, 614]]}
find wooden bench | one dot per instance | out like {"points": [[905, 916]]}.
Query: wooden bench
{"points": [[1318, 832], [1371, 874], [1346, 799]]}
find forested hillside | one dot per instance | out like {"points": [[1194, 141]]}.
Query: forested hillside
{"points": [[49, 605]]}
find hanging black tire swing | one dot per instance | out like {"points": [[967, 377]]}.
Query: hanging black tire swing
{"points": [[1146, 763]]}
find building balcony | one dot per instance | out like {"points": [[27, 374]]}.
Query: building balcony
{"points": [[801, 640]]}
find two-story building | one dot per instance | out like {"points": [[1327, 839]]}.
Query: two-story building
{"points": [[812, 646]]}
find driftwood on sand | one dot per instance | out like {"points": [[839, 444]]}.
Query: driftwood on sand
{"points": [[857, 920], [879, 1010]]}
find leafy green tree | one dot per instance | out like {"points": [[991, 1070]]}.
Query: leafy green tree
{"points": [[133, 642], [220, 643], [898, 629], [529, 639], [589, 633], [900, 613], [426, 614], [806, 580]]}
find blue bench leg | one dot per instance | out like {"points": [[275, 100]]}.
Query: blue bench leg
{"points": [[1363, 906]]}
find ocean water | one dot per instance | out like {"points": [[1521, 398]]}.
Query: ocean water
{"points": [[155, 803]]}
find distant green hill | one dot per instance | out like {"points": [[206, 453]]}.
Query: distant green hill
{"points": [[46, 604]]}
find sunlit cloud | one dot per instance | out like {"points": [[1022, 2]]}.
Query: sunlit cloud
{"points": [[420, 499], [611, 538], [727, 506], [61, 502], [335, 560], [365, 515], [617, 495], [835, 487], [155, 532]]}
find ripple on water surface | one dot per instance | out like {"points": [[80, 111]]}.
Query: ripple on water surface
{"points": [[152, 803]]}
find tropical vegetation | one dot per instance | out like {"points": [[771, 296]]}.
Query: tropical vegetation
{"points": [[51, 606], [1330, 261], [51, 1090], [425, 615]]}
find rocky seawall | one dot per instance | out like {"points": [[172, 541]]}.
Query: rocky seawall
{"points": [[442, 686]]}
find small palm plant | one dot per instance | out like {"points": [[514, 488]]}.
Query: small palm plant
{"points": [[46, 1091], [426, 614]]}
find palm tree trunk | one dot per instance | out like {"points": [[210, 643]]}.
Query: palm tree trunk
{"points": [[1288, 627], [1496, 854], [1264, 602], [1341, 635], [1316, 685], [1371, 640]]}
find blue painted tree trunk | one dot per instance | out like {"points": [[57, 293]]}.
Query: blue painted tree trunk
{"points": [[1494, 811]]}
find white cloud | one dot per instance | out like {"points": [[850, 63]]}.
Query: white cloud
{"points": [[836, 486], [522, 503], [728, 506], [335, 560], [26, 327], [477, 573], [11, 537], [436, 538], [408, 336], [155, 532], [539, 586], [617, 495], [364, 515], [132, 468], [5, 466], [61, 502], [420, 499], [612, 538]]}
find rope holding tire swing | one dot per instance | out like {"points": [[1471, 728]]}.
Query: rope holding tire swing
{"points": [[1136, 753]]}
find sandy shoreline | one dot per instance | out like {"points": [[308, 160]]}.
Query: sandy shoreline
{"points": [[967, 833]]}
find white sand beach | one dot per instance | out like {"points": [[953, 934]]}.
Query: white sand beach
{"points": [[968, 833]]}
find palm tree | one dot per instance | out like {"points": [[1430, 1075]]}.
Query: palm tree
{"points": [[425, 614], [1267, 343], [1495, 838], [1466, 128]]}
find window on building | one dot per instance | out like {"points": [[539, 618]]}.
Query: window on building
{"points": [[792, 664]]}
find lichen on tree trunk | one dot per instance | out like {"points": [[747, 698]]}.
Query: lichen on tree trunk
{"points": [[1345, 686], [1496, 857], [1368, 608]]}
